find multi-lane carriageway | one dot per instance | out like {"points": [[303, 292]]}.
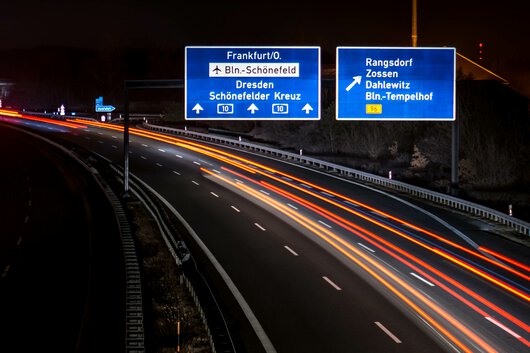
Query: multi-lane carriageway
{"points": [[323, 264]]}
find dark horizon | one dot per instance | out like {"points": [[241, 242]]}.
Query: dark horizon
{"points": [[170, 26]]}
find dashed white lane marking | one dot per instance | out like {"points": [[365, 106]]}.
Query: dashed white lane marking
{"points": [[498, 324], [292, 206], [194, 182], [326, 194], [195, 162], [260, 227], [160, 165], [351, 203], [214, 194], [422, 279], [176, 172], [264, 192], [114, 137], [235, 208], [19, 241], [143, 157], [331, 283], [26, 220], [143, 144], [161, 150], [306, 186], [387, 331], [367, 248], [114, 146], [99, 141], [291, 250], [239, 181], [178, 155], [29, 203], [325, 224], [205, 162], [216, 171], [6, 270]]}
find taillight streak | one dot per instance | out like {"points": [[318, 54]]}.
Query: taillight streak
{"points": [[215, 153], [374, 239], [355, 255]]}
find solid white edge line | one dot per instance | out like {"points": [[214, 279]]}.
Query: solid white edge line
{"points": [[331, 283], [422, 279], [387, 331], [496, 323], [367, 248], [291, 250], [260, 332]]}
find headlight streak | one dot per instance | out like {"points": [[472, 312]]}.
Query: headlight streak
{"points": [[215, 153], [360, 231], [356, 255], [373, 239], [411, 239]]}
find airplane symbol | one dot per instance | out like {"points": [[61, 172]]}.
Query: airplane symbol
{"points": [[217, 69]]}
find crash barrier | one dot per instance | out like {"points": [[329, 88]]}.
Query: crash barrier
{"points": [[190, 275]]}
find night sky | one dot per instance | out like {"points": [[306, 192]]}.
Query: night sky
{"points": [[502, 26]]}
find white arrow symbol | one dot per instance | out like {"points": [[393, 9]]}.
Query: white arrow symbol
{"points": [[197, 108], [356, 80], [252, 108], [307, 108]]}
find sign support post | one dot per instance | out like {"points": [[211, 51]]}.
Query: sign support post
{"points": [[137, 84]]}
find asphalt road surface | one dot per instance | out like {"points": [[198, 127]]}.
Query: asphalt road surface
{"points": [[328, 265], [61, 270]]}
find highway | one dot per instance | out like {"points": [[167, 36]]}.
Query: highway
{"points": [[61, 269], [326, 264]]}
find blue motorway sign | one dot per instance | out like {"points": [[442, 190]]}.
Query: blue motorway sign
{"points": [[252, 83], [393, 83], [100, 108]]}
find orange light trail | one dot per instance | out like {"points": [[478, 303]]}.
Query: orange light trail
{"points": [[331, 192], [411, 239], [214, 153], [374, 239], [505, 258], [15, 114], [342, 246]]}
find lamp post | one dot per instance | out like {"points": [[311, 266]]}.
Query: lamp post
{"points": [[414, 23]]}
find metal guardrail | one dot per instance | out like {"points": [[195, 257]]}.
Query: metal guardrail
{"points": [[433, 196]]}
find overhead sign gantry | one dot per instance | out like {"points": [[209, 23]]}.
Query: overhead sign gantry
{"points": [[391, 83], [252, 83]]}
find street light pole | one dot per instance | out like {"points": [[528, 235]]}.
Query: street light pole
{"points": [[414, 23]]}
